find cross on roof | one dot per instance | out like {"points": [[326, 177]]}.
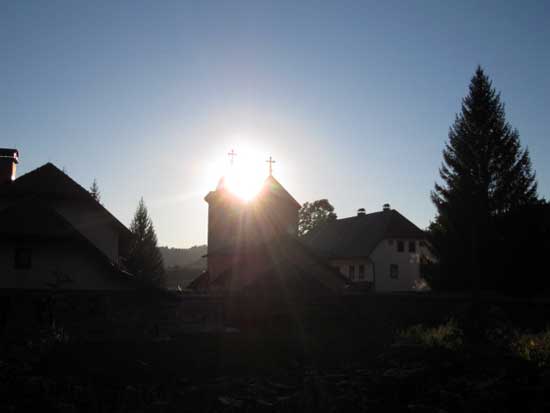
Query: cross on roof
{"points": [[270, 161], [232, 155]]}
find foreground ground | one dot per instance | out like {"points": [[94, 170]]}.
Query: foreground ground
{"points": [[355, 360]]}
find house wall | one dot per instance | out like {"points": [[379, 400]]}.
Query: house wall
{"points": [[68, 259], [386, 254], [344, 264], [377, 268]]}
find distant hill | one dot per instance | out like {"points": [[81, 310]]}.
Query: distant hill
{"points": [[184, 257], [183, 265]]}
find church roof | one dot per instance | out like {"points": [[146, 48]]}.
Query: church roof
{"points": [[270, 188], [358, 236], [288, 261], [49, 183], [274, 188]]}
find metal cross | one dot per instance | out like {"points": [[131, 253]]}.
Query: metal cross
{"points": [[232, 155], [270, 161]]}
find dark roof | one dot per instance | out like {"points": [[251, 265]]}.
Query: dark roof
{"points": [[274, 188], [48, 183], [200, 283], [358, 236], [287, 257], [271, 188], [36, 221]]}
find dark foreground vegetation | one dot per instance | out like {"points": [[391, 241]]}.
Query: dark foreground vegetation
{"points": [[363, 353]]}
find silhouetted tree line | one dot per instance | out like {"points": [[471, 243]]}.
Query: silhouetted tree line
{"points": [[491, 231]]}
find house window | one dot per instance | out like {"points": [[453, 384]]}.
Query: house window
{"points": [[22, 259], [352, 272], [412, 246], [361, 272], [400, 246], [394, 271]]}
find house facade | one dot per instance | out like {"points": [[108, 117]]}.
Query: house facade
{"points": [[380, 251], [54, 234]]}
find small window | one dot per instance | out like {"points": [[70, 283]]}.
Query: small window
{"points": [[352, 272], [400, 246], [22, 259], [361, 272], [412, 246], [390, 242], [394, 271]]}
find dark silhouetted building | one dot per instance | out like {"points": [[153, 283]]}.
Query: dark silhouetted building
{"points": [[253, 246], [53, 233]]}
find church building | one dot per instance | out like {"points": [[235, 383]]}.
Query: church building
{"points": [[253, 245]]}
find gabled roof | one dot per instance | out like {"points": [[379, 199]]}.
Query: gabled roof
{"points": [[49, 183], [272, 187], [358, 236]]}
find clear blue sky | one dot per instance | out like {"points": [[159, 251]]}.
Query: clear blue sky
{"points": [[353, 99]]}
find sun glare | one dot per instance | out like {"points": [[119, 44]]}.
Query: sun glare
{"points": [[244, 182], [244, 176]]}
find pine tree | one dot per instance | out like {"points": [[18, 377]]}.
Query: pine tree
{"points": [[145, 260], [485, 174], [94, 191]]}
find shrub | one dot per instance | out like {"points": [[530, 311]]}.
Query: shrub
{"points": [[447, 335], [533, 347]]}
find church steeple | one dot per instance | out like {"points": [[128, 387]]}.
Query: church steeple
{"points": [[270, 161], [234, 224]]}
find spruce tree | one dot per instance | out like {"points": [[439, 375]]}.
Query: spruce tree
{"points": [[485, 174], [145, 260], [94, 191]]}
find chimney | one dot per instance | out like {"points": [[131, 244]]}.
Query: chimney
{"points": [[9, 158], [360, 212], [386, 207]]}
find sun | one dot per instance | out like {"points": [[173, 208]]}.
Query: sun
{"points": [[245, 183], [244, 176]]}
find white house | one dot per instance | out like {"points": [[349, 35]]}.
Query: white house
{"points": [[53, 233], [379, 251]]}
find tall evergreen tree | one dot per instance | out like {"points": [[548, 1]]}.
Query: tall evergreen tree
{"points": [[485, 174], [145, 260], [94, 191]]}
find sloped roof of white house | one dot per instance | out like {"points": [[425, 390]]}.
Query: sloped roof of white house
{"points": [[358, 236]]}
